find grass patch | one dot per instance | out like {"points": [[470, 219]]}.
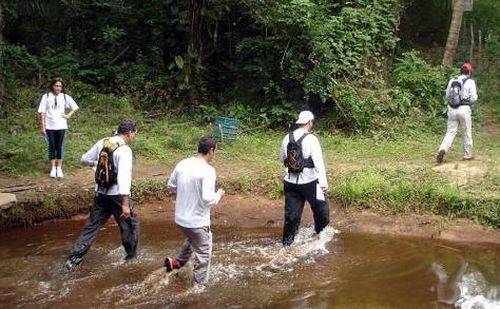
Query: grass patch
{"points": [[387, 174], [398, 191], [149, 188]]}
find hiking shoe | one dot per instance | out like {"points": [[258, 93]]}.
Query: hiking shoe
{"points": [[171, 264], [72, 263], [59, 172], [53, 173], [440, 156]]}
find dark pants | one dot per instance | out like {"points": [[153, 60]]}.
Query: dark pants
{"points": [[295, 197], [104, 207], [55, 139]]}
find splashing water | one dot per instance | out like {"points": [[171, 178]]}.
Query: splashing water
{"points": [[232, 261], [476, 294], [467, 290], [253, 257]]}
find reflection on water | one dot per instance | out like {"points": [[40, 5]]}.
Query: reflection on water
{"points": [[250, 268]]}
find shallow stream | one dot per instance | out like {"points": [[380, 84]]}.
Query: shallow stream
{"points": [[249, 269]]}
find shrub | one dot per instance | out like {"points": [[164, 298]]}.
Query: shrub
{"points": [[425, 82]]}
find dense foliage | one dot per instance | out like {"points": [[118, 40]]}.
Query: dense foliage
{"points": [[258, 60], [267, 57]]}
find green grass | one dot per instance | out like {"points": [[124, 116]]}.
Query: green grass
{"points": [[393, 175], [413, 191]]}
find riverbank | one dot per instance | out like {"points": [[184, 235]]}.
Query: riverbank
{"points": [[241, 211], [389, 177], [45, 199]]}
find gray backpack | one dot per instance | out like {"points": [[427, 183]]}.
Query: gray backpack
{"points": [[455, 95]]}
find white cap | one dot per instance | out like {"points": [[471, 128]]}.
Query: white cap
{"points": [[305, 117]]}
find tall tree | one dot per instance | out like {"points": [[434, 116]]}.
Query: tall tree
{"points": [[454, 32], [3, 90], [194, 54]]}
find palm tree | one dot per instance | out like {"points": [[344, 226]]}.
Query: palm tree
{"points": [[454, 32]]}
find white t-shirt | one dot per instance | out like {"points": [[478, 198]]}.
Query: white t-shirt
{"points": [[122, 159], [310, 148], [193, 179], [54, 119]]}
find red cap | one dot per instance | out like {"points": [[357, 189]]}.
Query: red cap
{"points": [[467, 66]]}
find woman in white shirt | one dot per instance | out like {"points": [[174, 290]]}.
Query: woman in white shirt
{"points": [[53, 122]]}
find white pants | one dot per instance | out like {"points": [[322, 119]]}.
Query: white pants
{"points": [[459, 116]]}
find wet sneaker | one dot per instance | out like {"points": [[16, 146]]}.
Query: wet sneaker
{"points": [[53, 173], [72, 263], [171, 264], [440, 156]]}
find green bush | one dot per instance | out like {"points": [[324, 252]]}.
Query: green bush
{"points": [[354, 109], [425, 82]]}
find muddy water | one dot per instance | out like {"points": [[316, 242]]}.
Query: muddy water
{"points": [[250, 269]]}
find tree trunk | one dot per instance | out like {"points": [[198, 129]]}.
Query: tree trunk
{"points": [[480, 52], [471, 48], [453, 33], [3, 90], [195, 48]]}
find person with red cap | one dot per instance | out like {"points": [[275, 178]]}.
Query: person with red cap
{"points": [[461, 93]]}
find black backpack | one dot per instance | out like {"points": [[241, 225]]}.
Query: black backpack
{"points": [[294, 160], [106, 173], [455, 96]]}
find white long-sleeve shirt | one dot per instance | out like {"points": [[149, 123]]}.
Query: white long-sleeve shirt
{"points": [[310, 148], [54, 112], [193, 180], [122, 159], [469, 91]]}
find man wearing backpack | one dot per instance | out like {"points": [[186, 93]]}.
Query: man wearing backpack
{"points": [[461, 94], [111, 198], [305, 178]]}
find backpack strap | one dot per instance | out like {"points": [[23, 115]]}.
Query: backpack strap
{"points": [[299, 141], [291, 139], [64, 96], [112, 146], [308, 162], [47, 100], [464, 102]]}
